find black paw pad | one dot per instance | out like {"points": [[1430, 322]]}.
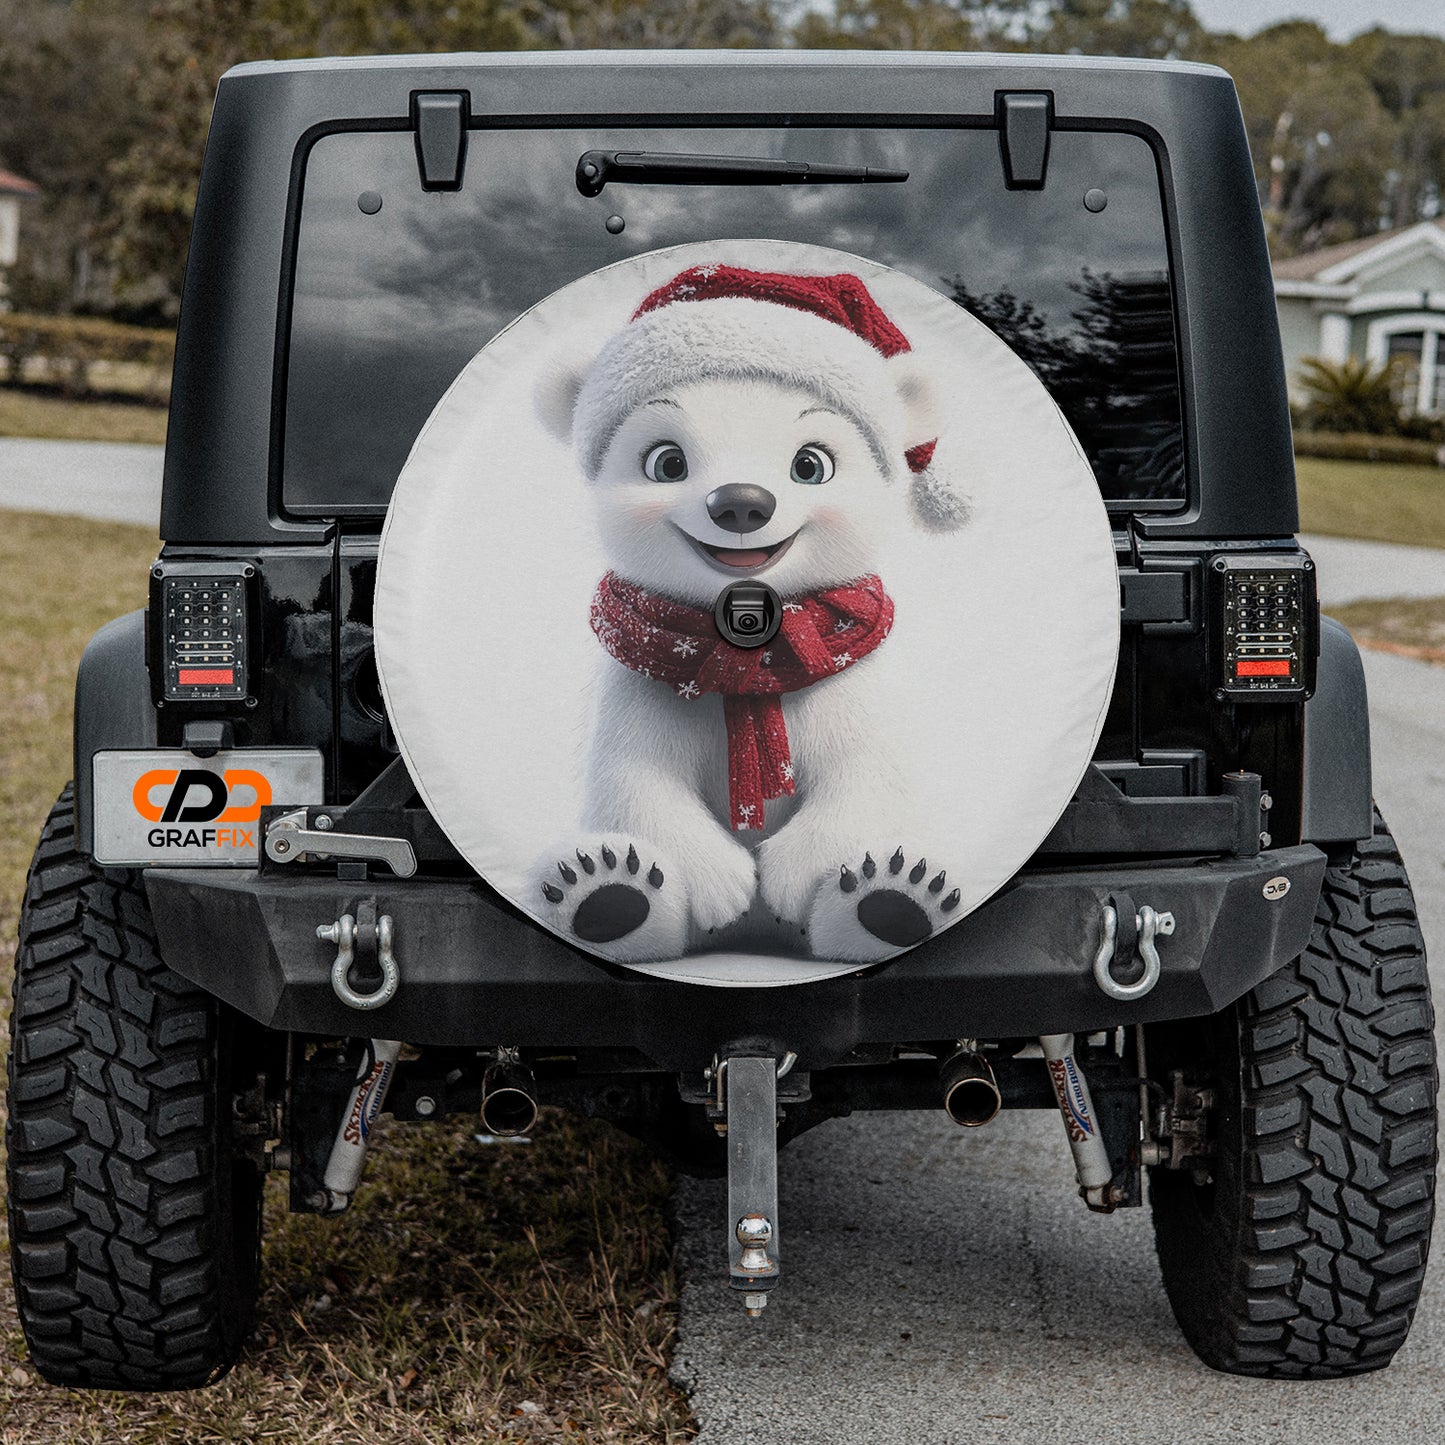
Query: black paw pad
{"points": [[894, 917], [899, 908], [609, 909], [612, 912]]}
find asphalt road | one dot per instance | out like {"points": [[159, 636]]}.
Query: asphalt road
{"points": [[948, 1286], [114, 481], [1350, 570]]}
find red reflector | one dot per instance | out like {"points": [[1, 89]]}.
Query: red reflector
{"points": [[207, 677], [1262, 667]]}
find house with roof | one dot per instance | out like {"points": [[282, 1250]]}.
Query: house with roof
{"points": [[1381, 298], [13, 191]]}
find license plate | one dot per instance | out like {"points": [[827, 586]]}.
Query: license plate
{"points": [[169, 806]]}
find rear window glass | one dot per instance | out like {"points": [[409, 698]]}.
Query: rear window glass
{"points": [[387, 307]]}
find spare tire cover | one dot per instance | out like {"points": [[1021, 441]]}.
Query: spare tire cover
{"points": [[941, 566]]}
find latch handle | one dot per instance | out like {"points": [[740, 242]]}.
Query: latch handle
{"points": [[289, 840]]}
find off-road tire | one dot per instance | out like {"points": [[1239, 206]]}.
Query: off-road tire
{"points": [[1304, 1255], [134, 1229]]}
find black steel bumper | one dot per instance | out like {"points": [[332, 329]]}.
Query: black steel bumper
{"points": [[475, 973]]}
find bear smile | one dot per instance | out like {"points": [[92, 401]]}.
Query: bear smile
{"points": [[741, 559]]}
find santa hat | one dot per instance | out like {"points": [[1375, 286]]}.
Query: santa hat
{"points": [[825, 335]]}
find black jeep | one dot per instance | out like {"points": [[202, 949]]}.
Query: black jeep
{"points": [[245, 933]]}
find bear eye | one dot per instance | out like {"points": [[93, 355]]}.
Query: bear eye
{"points": [[812, 466], [666, 462]]}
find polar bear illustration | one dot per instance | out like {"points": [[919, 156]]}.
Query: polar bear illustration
{"points": [[749, 425]]}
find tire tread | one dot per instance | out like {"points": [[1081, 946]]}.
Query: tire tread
{"points": [[120, 1245], [1321, 1272]]}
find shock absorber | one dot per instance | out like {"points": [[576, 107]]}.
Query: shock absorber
{"points": [[1076, 1108], [353, 1136]]}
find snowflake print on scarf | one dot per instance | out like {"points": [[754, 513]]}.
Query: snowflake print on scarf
{"points": [[679, 645]]}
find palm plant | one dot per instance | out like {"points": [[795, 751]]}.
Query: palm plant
{"points": [[1351, 396]]}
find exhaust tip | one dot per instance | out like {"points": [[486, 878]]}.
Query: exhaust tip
{"points": [[509, 1111], [973, 1102], [971, 1094], [509, 1105]]}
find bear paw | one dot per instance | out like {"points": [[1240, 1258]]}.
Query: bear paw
{"points": [[870, 912], [613, 904]]}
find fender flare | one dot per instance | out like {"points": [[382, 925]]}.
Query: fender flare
{"points": [[1337, 792], [113, 708]]}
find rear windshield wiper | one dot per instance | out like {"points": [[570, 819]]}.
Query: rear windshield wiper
{"points": [[597, 169]]}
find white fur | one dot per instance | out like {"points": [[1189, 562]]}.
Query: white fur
{"points": [[659, 763]]}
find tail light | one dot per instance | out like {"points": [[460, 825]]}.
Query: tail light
{"points": [[1266, 626], [200, 632]]}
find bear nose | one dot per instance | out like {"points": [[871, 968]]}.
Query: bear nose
{"points": [[741, 507]]}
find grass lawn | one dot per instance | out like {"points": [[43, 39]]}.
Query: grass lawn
{"points": [[513, 1293], [1381, 501], [28, 414], [1409, 626]]}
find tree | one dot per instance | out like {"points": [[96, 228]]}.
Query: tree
{"points": [[65, 114], [1323, 143], [651, 24], [189, 44], [1407, 73], [1149, 29], [892, 25]]}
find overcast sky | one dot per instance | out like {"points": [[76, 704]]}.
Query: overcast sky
{"points": [[1341, 18]]}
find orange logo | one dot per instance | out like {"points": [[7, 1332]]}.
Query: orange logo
{"points": [[198, 796]]}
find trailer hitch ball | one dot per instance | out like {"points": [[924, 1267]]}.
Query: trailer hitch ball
{"points": [[755, 1233]]}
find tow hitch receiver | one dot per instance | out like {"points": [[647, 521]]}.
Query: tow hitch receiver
{"points": [[749, 1091]]}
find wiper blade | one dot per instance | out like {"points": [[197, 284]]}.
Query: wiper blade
{"points": [[598, 169]]}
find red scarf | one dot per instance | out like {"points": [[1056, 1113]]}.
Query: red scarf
{"points": [[822, 634]]}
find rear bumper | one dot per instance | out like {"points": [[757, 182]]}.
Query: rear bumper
{"points": [[475, 973]]}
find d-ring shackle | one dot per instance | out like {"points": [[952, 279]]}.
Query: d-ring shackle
{"points": [[343, 934], [1150, 925]]}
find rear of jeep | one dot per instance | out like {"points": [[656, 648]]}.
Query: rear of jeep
{"points": [[245, 935]]}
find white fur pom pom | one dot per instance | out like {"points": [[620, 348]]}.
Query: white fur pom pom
{"points": [[937, 507]]}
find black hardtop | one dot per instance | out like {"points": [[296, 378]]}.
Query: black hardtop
{"points": [[222, 471]]}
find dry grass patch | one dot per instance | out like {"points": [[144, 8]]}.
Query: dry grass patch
{"points": [[1380, 501], [31, 414], [61, 578], [511, 1293], [1409, 626]]}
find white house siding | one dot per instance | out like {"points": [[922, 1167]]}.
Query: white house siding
{"points": [[9, 230], [1420, 273], [1299, 334], [1351, 300]]}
